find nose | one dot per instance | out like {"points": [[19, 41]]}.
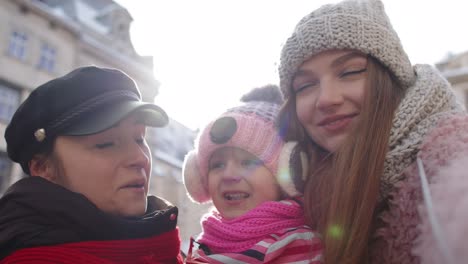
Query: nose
{"points": [[139, 156], [231, 173], [330, 95]]}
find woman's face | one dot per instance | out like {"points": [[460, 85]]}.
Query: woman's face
{"points": [[238, 182], [111, 168], [329, 90]]}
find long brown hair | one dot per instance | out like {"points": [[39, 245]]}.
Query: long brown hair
{"points": [[342, 189]]}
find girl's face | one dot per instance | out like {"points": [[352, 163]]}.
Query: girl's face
{"points": [[111, 168], [238, 182], [329, 90]]}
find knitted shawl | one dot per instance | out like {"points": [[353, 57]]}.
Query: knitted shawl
{"points": [[239, 234], [429, 100], [406, 234]]}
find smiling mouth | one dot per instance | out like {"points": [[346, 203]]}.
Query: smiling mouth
{"points": [[235, 196], [335, 119], [337, 123]]}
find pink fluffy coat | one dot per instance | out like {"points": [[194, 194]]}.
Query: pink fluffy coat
{"points": [[405, 235]]}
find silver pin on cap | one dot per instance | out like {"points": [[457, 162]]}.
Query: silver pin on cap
{"points": [[40, 135]]}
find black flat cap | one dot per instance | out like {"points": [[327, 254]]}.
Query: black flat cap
{"points": [[85, 101]]}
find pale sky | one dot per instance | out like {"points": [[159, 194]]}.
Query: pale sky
{"points": [[208, 53]]}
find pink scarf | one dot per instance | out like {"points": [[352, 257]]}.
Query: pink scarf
{"points": [[241, 233]]}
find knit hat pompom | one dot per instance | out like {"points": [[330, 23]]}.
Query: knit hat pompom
{"points": [[250, 127], [267, 93], [360, 25]]}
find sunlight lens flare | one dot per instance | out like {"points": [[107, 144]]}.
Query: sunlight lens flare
{"points": [[335, 231], [283, 175]]}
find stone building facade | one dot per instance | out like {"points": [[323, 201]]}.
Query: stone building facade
{"points": [[171, 144], [44, 39], [455, 69]]}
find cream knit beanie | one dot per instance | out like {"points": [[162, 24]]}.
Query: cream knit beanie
{"points": [[351, 24]]}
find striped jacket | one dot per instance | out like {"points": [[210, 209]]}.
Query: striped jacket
{"points": [[292, 245]]}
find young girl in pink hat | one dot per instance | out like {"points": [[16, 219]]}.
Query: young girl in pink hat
{"points": [[244, 167]]}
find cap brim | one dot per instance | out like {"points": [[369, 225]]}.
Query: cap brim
{"points": [[151, 115]]}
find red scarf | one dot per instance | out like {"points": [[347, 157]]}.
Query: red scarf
{"points": [[163, 248]]}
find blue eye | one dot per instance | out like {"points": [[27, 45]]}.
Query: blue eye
{"points": [[252, 163], [356, 72], [217, 165], [104, 145]]}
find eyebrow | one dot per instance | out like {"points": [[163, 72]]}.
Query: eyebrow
{"points": [[299, 73], [346, 57], [336, 62]]}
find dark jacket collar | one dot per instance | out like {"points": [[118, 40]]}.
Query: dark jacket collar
{"points": [[37, 212]]}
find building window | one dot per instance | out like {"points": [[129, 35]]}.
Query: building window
{"points": [[17, 47], [47, 59], [9, 102], [5, 170]]}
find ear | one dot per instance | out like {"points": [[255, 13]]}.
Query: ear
{"points": [[41, 166], [193, 181], [293, 165]]}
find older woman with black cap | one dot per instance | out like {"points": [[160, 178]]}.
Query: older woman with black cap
{"points": [[81, 138], [388, 141]]}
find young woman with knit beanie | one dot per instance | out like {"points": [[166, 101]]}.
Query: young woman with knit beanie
{"points": [[81, 140], [387, 140], [243, 166]]}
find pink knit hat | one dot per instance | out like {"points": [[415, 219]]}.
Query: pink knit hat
{"points": [[250, 127]]}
